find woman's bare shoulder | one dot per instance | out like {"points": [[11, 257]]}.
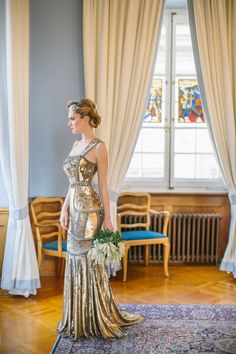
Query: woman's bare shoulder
{"points": [[101, 149], [100, 141], [100, 144]]}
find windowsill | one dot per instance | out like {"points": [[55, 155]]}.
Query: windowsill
{"points": [[176, 190]]}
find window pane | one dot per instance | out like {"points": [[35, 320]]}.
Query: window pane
{"points": [[203, 142], [138, 147], [135, 166], [206, 167], [184, 166], [146, 166], [153, 140], [185, 140], [184, 52], [153, 165], [200, 166], [160, 66]]}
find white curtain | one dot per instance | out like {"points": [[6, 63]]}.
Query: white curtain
{"points": [[20, 273], [213, 31], [120, 39]]}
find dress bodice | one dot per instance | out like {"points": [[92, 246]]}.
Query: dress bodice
{"points": [[78, 168]]}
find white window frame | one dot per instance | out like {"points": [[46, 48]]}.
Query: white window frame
{"points": [[168, 184]]}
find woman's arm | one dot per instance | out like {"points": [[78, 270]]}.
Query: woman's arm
{"points": [[102, 170], [64, 211]]}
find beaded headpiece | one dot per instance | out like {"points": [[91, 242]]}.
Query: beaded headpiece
{"points": [[74, 106]]}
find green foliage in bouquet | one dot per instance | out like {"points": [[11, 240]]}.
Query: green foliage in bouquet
{"points": [[105, 236], [107, 247]]}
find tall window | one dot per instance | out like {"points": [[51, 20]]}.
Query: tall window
{"points": [[173, 148]]}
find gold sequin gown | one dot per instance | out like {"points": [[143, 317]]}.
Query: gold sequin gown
{"points": [[89, 308]]}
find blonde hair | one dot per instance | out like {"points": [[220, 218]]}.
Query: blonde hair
{"points": [[86, 107]]}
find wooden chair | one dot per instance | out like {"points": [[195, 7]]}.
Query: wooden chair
{"points": [[138, 204], [50, 236]]}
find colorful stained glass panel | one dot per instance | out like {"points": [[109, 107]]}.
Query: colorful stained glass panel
{"points": [[154, 109], [190, 106]]}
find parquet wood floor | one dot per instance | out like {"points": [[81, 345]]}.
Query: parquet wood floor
{"points": [[28, 325]]}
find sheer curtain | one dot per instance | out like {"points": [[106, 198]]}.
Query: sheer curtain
{"points": [[120, 39], [213, 30], [20, 273]]}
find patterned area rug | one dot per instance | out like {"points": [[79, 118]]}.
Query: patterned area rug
{"points": [[172, 329]]}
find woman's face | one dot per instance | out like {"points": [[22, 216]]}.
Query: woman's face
{"points": [[76, 123]]}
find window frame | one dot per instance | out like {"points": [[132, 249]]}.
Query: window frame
{"points": [[169, 183]]}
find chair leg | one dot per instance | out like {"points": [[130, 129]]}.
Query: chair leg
{"points": [[125, 263], [39, 257], [166, 258], [62, 270], [146, 255], [60, 266]]}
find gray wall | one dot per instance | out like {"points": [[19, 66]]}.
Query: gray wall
{"points": [[56, 75]]}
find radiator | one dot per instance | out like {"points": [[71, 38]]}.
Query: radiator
{"points": [[194, 238]]}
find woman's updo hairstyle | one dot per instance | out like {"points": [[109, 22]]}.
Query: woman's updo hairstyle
{"points": [[86, 107]]}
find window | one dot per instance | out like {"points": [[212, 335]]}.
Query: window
{"points": [[173, 149]]}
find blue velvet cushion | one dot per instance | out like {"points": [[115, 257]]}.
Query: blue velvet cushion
{"points": [[52, 246], [140, 235]]}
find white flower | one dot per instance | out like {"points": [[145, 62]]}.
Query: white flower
{"points": [[105, 253]]}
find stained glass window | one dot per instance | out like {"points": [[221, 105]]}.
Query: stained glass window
{"points": [[154, 109], [190, 106]]}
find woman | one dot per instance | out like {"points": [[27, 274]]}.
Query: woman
{"points": [[89, 308]]}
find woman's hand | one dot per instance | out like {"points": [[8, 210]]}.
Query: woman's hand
{"points": [[107, 225], [64, 218]]}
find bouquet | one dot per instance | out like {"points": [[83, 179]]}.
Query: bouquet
{"points": [[106, 248]]}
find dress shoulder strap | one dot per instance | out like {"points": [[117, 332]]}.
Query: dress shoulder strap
{"points": [[91, 145], [75, 144]]}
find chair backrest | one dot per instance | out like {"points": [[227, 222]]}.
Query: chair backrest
{"points": [[136, 204], [46, 210]]}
